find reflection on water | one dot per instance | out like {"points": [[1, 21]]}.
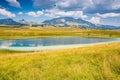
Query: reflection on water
{"points": [[45, 42]]}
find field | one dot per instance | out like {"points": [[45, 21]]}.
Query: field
{"points": [[98, 62], [95, 62], [28, 32]]}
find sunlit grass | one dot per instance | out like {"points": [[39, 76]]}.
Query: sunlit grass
{"points": [[27, 32], [98, 62]]}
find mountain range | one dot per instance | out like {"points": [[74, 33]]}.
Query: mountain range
{"points": [[62, 21], [9, 21], [69, 21]]}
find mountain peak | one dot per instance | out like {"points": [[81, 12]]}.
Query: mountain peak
{"points": [[70, 21], [9, 21]]}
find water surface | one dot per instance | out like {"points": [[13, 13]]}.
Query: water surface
{"points": [[50, 43]]}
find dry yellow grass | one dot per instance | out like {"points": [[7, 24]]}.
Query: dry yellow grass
{"points": [[97, 62], [28, 32]]}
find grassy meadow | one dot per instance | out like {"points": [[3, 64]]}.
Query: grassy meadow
{"points": [[97, 62], [39, 32]]}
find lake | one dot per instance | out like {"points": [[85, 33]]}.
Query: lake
{"points": [[50, 43]]}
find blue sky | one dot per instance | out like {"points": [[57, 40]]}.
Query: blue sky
{"points": [[95, 11]]}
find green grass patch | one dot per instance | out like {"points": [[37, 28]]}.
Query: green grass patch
{"points": [[10, 51]]}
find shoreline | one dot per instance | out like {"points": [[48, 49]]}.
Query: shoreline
{"points": [[55, 47], [16, 38]]}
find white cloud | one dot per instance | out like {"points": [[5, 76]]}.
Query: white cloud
{"points": [[20, 13], [116, 6], [107, 4], [89, 6], [98, 17], [75, 5], [35, 14], [14, 3], [66, 3], [60, 13], [4, 12], [95, 20], [107, 15]]}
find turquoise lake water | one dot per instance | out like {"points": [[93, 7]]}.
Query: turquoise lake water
{"points": [[50, 43]]}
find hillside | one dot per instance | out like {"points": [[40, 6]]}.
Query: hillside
{"points": [[9, 21], [69, 21]]}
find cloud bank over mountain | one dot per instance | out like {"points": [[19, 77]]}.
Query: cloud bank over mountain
{"points": [[95, 11]]}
